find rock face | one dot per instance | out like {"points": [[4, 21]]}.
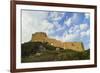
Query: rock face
{"points": [[42, 37]]}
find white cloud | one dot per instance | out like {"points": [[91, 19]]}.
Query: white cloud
{"points": [[57, 26], [77, 31], [88, 32], [75, 16], [70, 37], [83, 26], [44, 26], [34, 21], [72, 20], [74, 29], [68, 22], [60, 28], [87, 15], [56, 16], [71, 30], [85, 33]]}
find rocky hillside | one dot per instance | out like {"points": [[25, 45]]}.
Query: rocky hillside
{"points": [[42, 51]]}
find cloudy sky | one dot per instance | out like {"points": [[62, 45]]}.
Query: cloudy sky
{"points": [[64, 26]]}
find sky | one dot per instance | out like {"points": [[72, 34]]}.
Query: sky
{"points": [[64, 26]]}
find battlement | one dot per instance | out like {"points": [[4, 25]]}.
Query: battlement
{"points": [[42, 37]]}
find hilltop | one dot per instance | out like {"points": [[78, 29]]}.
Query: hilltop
{"points": [[42, 48]]}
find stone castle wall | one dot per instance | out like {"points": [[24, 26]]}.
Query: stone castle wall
{"points": [[42, 37]]}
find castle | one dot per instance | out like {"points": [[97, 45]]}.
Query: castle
{"points": [[42, 37]]}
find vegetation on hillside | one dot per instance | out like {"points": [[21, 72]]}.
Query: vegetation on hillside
{"points": [[40, 52]]}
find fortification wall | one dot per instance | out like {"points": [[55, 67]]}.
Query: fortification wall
{"points": [[42, 37]]}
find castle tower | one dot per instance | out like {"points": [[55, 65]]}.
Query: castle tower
{"points": [[39, 37]]}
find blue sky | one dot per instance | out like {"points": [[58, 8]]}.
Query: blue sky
{"points": [[64, 26]]}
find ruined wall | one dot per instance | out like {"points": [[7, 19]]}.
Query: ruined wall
{"points": [[42, 37], [39, 36]]}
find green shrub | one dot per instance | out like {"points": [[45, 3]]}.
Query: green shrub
{"points": [[29, 53]]}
